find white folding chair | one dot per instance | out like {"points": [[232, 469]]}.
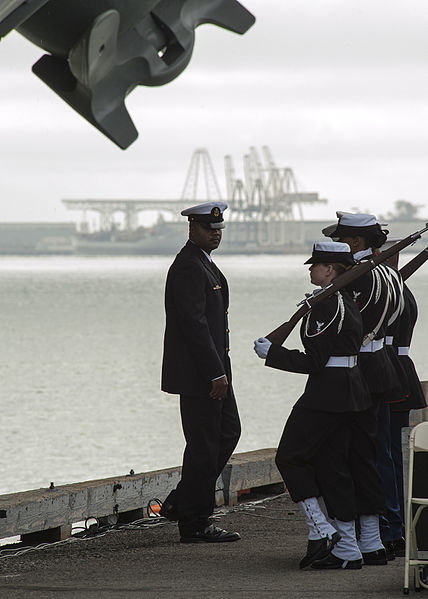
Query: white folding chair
{"points": [[418, 442]]}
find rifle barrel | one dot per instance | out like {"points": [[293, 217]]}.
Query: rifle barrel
{"points": [[412, 266], [280, 334]]}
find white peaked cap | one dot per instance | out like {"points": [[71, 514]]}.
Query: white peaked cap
{"points": [[356, 220], [209, 214], [340, 214], [331, 246], [205, 208]]}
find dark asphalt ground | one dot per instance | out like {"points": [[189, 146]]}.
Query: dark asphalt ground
{"points": [[151, 563]]}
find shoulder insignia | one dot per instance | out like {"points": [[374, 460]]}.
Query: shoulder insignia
{"points": [[319, 327]]}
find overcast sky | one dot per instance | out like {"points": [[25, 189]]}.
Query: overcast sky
{"points": [[337, 90]]}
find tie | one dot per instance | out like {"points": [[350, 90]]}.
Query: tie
{"points": [[216, 270]]}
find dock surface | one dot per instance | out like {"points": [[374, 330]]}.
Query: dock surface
{"points": [[151, 563]]}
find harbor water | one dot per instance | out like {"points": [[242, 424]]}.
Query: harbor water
{"points": [[81, 349]]}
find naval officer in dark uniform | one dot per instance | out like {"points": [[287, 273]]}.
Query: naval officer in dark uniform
{"points": [[196, 366], [321, 432]]}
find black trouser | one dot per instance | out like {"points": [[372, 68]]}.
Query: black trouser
{"points": [[399, 420], [212, 429], [315, 459], [370, 496]]}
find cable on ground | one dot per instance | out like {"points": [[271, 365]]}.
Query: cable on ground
{"points": [[93, 530]]}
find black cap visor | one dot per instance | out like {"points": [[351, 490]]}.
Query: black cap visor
{"points": [[342, 231], [319, 257]]}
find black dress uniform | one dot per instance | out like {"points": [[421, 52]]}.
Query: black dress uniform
{"points": [[325, 432], [396, 286], [196, 347], [415, 398], [377, 298], [372, 295], [313, 454], [196, 344]]}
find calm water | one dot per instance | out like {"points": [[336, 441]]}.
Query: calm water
{"points": [[81, 347]]}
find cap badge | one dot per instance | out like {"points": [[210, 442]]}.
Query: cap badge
{"points": [[216, 211]]}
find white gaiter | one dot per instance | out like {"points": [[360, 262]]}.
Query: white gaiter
{"points": [[317, 523], [347, 548], [370, 535]]}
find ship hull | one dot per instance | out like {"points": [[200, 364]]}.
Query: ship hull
{"points": [[287, 237]]}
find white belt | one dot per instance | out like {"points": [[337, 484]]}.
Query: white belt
{"points": [[389, 340], [373, 346], [403, 351], [342, 361]]}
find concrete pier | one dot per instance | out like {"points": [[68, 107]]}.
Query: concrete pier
{"points": [[147, 560], [152, 564], [45, 515]]}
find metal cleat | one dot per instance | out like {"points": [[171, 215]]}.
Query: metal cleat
{"points": [[100, 51]]}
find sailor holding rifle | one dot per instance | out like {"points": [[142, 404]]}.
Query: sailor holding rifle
{"points": [[400, 345], [378, 299], [314, 451]]}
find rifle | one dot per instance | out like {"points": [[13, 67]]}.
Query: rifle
{"points": [[408, 269], [280, 334]]}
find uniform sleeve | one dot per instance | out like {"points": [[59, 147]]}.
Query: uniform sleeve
{"points": [[407, 320], [188, 287], [318, 340]]}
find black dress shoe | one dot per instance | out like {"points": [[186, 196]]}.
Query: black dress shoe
{"points": [[390, 551], [169, 511], [375, 558], [211, 534], [331, 562], [400, 547], [318, 549]]}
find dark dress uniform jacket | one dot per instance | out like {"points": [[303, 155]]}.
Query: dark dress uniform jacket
{"points": [[397, 306], [372, 296], [332, 328], [196, 341], [403, 338]]}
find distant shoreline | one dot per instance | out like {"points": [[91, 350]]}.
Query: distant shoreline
{"points": [[165, 239]]}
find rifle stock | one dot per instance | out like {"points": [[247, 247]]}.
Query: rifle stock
{"points": [[408, 269], [280, 334]]}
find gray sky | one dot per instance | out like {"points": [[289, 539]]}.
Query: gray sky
{"points": [[337, 90]]}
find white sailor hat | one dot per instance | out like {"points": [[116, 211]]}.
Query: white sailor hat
{"points": [[209, 214], [330, 252], [353, 225]]}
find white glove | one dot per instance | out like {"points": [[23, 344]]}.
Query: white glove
{"points": [[261, 347]]}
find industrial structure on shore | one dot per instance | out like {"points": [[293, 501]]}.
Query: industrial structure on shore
{"points": [[265, 212], [265, 216]]}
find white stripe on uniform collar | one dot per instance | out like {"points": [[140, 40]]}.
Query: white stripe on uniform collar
{"points": [[363, 254]]}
